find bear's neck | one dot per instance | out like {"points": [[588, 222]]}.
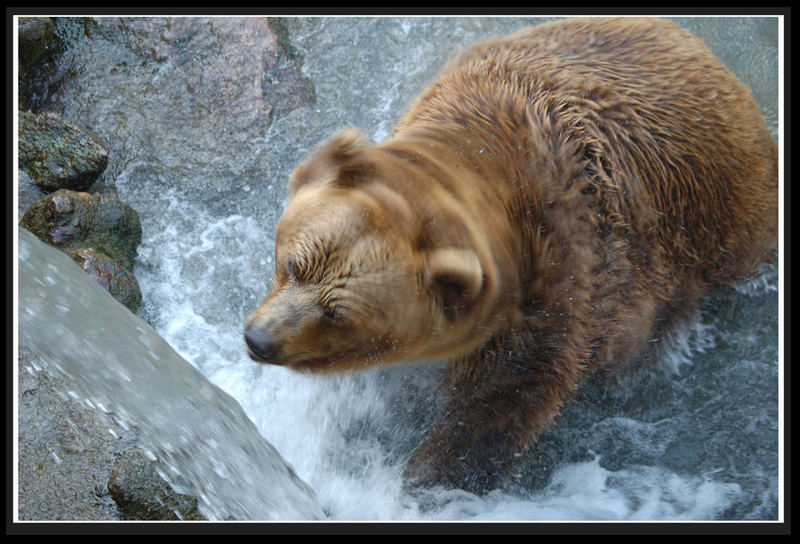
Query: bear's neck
{"points": [[460, 191], [508, 155]]}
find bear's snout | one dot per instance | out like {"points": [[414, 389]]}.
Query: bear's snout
{"points": [[261, 346]]}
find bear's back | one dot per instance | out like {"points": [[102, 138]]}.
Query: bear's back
{"points": [[680, 146]]}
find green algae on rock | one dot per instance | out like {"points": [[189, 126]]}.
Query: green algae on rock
{"points": [[72, 220]]}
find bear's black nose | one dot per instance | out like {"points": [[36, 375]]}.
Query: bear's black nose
{"points": [[262, 348]]}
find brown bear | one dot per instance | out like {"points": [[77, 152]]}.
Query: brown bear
{"points": [[546, 210]]}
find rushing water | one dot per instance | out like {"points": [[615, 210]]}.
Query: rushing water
{"points": [[205, 442], [695, 438]]}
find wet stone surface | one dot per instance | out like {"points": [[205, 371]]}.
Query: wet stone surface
{"points": [[72, 220], [57, 154], [100, 233], [119, 282]]}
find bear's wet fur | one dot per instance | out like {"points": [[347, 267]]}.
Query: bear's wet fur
{"points": [[546, 210]]}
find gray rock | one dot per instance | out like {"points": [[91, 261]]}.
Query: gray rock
{"points": [[183, 104], [58, 154], [255, 67]]}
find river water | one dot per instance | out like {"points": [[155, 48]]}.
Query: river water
{"points": [[695, 438]]}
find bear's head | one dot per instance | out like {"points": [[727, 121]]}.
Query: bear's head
{"points": [[366, 271]]}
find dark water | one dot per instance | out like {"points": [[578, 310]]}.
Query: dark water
{"points": [[695, 438]]}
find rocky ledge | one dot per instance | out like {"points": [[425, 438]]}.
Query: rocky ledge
{"points": [[77, 462]]}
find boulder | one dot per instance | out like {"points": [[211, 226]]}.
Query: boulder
{"points": [[73, 220], [58, 154]]}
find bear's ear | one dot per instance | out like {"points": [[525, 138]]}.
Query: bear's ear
{"points": [[455, 275], [330, 160]]}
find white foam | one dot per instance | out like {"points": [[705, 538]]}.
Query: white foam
{"points": [[681, 344], [763, 281]]}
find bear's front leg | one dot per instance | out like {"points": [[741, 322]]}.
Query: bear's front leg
{"points": [[469, 446], [501, 400]]}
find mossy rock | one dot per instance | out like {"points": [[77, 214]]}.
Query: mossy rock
{"points": [[71, 220], [58, 154]]}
